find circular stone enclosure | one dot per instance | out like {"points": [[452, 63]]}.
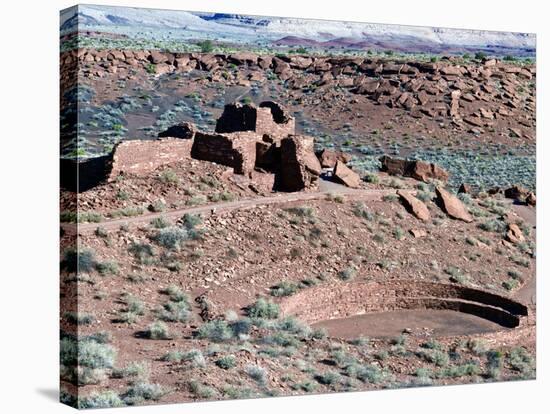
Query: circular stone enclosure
{"points": [[325, 303]]}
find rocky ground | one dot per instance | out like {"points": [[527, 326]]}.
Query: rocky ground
{"points": [[345, 291], [196, 281]]}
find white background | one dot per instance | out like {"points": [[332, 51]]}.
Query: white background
{"points": [[29, 204]]}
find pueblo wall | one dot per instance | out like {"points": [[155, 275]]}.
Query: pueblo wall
{"points": [[234, 149], [268, 119], [140, 157]]}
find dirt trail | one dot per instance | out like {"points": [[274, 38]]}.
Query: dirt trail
{"points": [[228, 206]]}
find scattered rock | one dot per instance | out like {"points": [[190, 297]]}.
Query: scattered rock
{"points": [[531, 199], [345, 175], [414, 206], [418, 233], [514, 234], [452, 205]]}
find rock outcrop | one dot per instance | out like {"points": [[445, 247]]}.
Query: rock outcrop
{"points": [[414, 206], [418, 170], [452, 205]]}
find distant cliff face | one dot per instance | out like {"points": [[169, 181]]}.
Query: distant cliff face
{"points": [[302, 31]]}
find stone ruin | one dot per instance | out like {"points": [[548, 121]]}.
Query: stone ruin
{"points": [[249, 137]]}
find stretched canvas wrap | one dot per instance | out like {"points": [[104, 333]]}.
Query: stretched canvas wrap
{"points": [[267, 206]]}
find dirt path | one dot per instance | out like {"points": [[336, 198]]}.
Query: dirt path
{"points": [[228, 206]]}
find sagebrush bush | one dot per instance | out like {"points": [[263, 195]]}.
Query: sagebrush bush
{"points": [[143, 391], [226, 362], [104, 399], [264, 309], [75, 260], [257, 373], [158, 330], [216, 331], [171, 237], [175, 312], [143, 252], [284, 288]]}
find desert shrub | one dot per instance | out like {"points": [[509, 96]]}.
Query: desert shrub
{"points": [[456, 371], [510, 284], [169, 177], [138, 370], [134, 308], [240, 327], [282, 339], [372, 178], [390, 198], [175, 312], [206, 46], [257, 373], [493, 225], [130, 211], [514, 274], [79, 318], [215, 331], [348, 273], [151, 68], [494, 363], [143, 391], [436, 357], [360, 210], [293, 325], [263, 309], [328, 378], [158, 330], [75, 260], [284, 288], [520, 360], [176, 294], [226, 362], [194, 357], [396, 183], [104, 399], [159, 222], [143, 252], [370, 373], [201, 390], [107, 268], [190, 221], [477, 346], [171, 237], [101, 232], [157, 206], [302, 211], [398, 233]]}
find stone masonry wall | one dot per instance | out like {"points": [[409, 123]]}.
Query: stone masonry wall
{"points": [[140, 157], [235, 149]]}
